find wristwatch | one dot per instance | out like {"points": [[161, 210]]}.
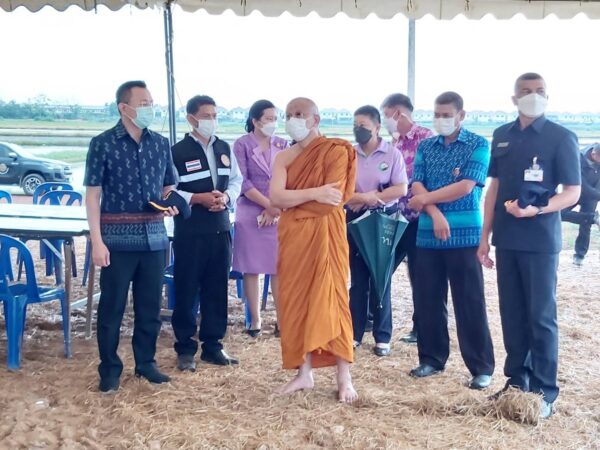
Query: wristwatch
{"points": [[540, 210]]}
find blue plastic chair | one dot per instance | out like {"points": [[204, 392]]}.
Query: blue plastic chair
{"points": [[16, 297], [239, 280], [37, 195], [86, 262], [58, 197], [168, 281], [6, 196], [47, 187]]}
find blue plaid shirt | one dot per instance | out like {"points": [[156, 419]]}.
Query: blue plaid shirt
{"points": [[130, 176], [437, 166]]}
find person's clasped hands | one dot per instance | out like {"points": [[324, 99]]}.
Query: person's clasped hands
{"points": [[214, 201], [268, 217], [365, 200]]}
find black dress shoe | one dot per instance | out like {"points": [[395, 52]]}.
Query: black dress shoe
{"points": [[152, 374], [382, 351], [253, 332], [186, 363], [424, 370], [219, 358], [109, 385], [410, 338], [480, 382]]}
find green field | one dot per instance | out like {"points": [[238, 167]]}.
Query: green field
{"points": [[74, 135]]}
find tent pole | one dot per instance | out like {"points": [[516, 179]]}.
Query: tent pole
{"points": [[411, 59], [170, 78]]}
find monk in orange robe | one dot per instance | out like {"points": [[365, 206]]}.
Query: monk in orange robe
{"points": [[311, 181]]}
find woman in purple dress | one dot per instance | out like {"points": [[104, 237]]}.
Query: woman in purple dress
{"points": [[255, 237]]}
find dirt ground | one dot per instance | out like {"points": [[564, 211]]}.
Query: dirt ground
{"points": [[53, 402]]}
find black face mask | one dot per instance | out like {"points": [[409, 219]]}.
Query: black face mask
{"points": [[362, 135]]}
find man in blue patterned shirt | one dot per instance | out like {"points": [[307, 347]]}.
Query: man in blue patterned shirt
{"points": [[128, 166], [449, 174]]}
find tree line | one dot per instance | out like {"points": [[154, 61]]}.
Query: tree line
{"points": [[40, 109]]}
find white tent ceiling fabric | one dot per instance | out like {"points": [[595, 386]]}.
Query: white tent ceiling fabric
{"points": [[415, 9]]}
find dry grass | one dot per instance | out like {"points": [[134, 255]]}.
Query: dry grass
{"points": [[53, 402]]}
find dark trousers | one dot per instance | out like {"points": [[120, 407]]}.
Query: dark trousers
{"points": [[201, 269], [462, 269], [364, 298], [145, 271], [527, 292], [585, 219], [407, 248]]}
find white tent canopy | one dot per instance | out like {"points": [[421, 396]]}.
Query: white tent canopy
{"points": [[413, 9]]}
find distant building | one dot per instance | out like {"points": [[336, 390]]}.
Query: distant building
{"points": [[420, 115], [94, 110], [344, 116], [328, 115], [239, 114], [222, 113]]}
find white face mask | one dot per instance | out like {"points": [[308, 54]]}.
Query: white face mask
{"points": [[296, 128], [390, 124], [532, 105], [144, 116], [444, 125], [206, 127], [268, 129]]}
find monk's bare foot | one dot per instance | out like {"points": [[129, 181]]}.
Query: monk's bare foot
{"points": [[346, 391], [300, 382]]}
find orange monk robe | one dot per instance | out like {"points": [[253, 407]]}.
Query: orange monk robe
{"points": [[314, 312]]}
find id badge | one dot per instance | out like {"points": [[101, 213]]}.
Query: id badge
{"points": [[534, 175], [535, 172]]}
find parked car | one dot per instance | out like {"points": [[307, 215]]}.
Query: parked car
{"points": [[20, 167]]}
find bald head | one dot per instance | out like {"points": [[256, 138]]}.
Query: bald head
{"points": [[303, 105]]}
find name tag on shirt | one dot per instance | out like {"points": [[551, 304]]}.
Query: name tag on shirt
{"points": [[192, 166], [502, 144], [534, 175]]}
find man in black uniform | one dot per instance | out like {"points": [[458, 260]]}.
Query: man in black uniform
{"points": [[210, 180], [588, 202], [528, 240]]}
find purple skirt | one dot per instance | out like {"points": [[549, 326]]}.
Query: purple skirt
{"points": [[254, 249]]}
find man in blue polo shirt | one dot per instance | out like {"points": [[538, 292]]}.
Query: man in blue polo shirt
{"points": [[535, 150], [450, 171], [127, 167]]}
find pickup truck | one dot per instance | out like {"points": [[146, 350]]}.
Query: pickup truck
{"points": [[20, 167]]}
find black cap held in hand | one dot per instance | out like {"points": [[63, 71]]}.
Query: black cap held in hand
{"points": [[172, 199], [533, 193]]}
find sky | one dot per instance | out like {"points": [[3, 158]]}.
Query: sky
{"points": [[82, 57]]}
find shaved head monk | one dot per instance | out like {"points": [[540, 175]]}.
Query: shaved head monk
{"points": [[311, 182]]}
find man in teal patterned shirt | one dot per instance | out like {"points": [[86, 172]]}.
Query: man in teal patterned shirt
{"points": [[449, 174]]}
